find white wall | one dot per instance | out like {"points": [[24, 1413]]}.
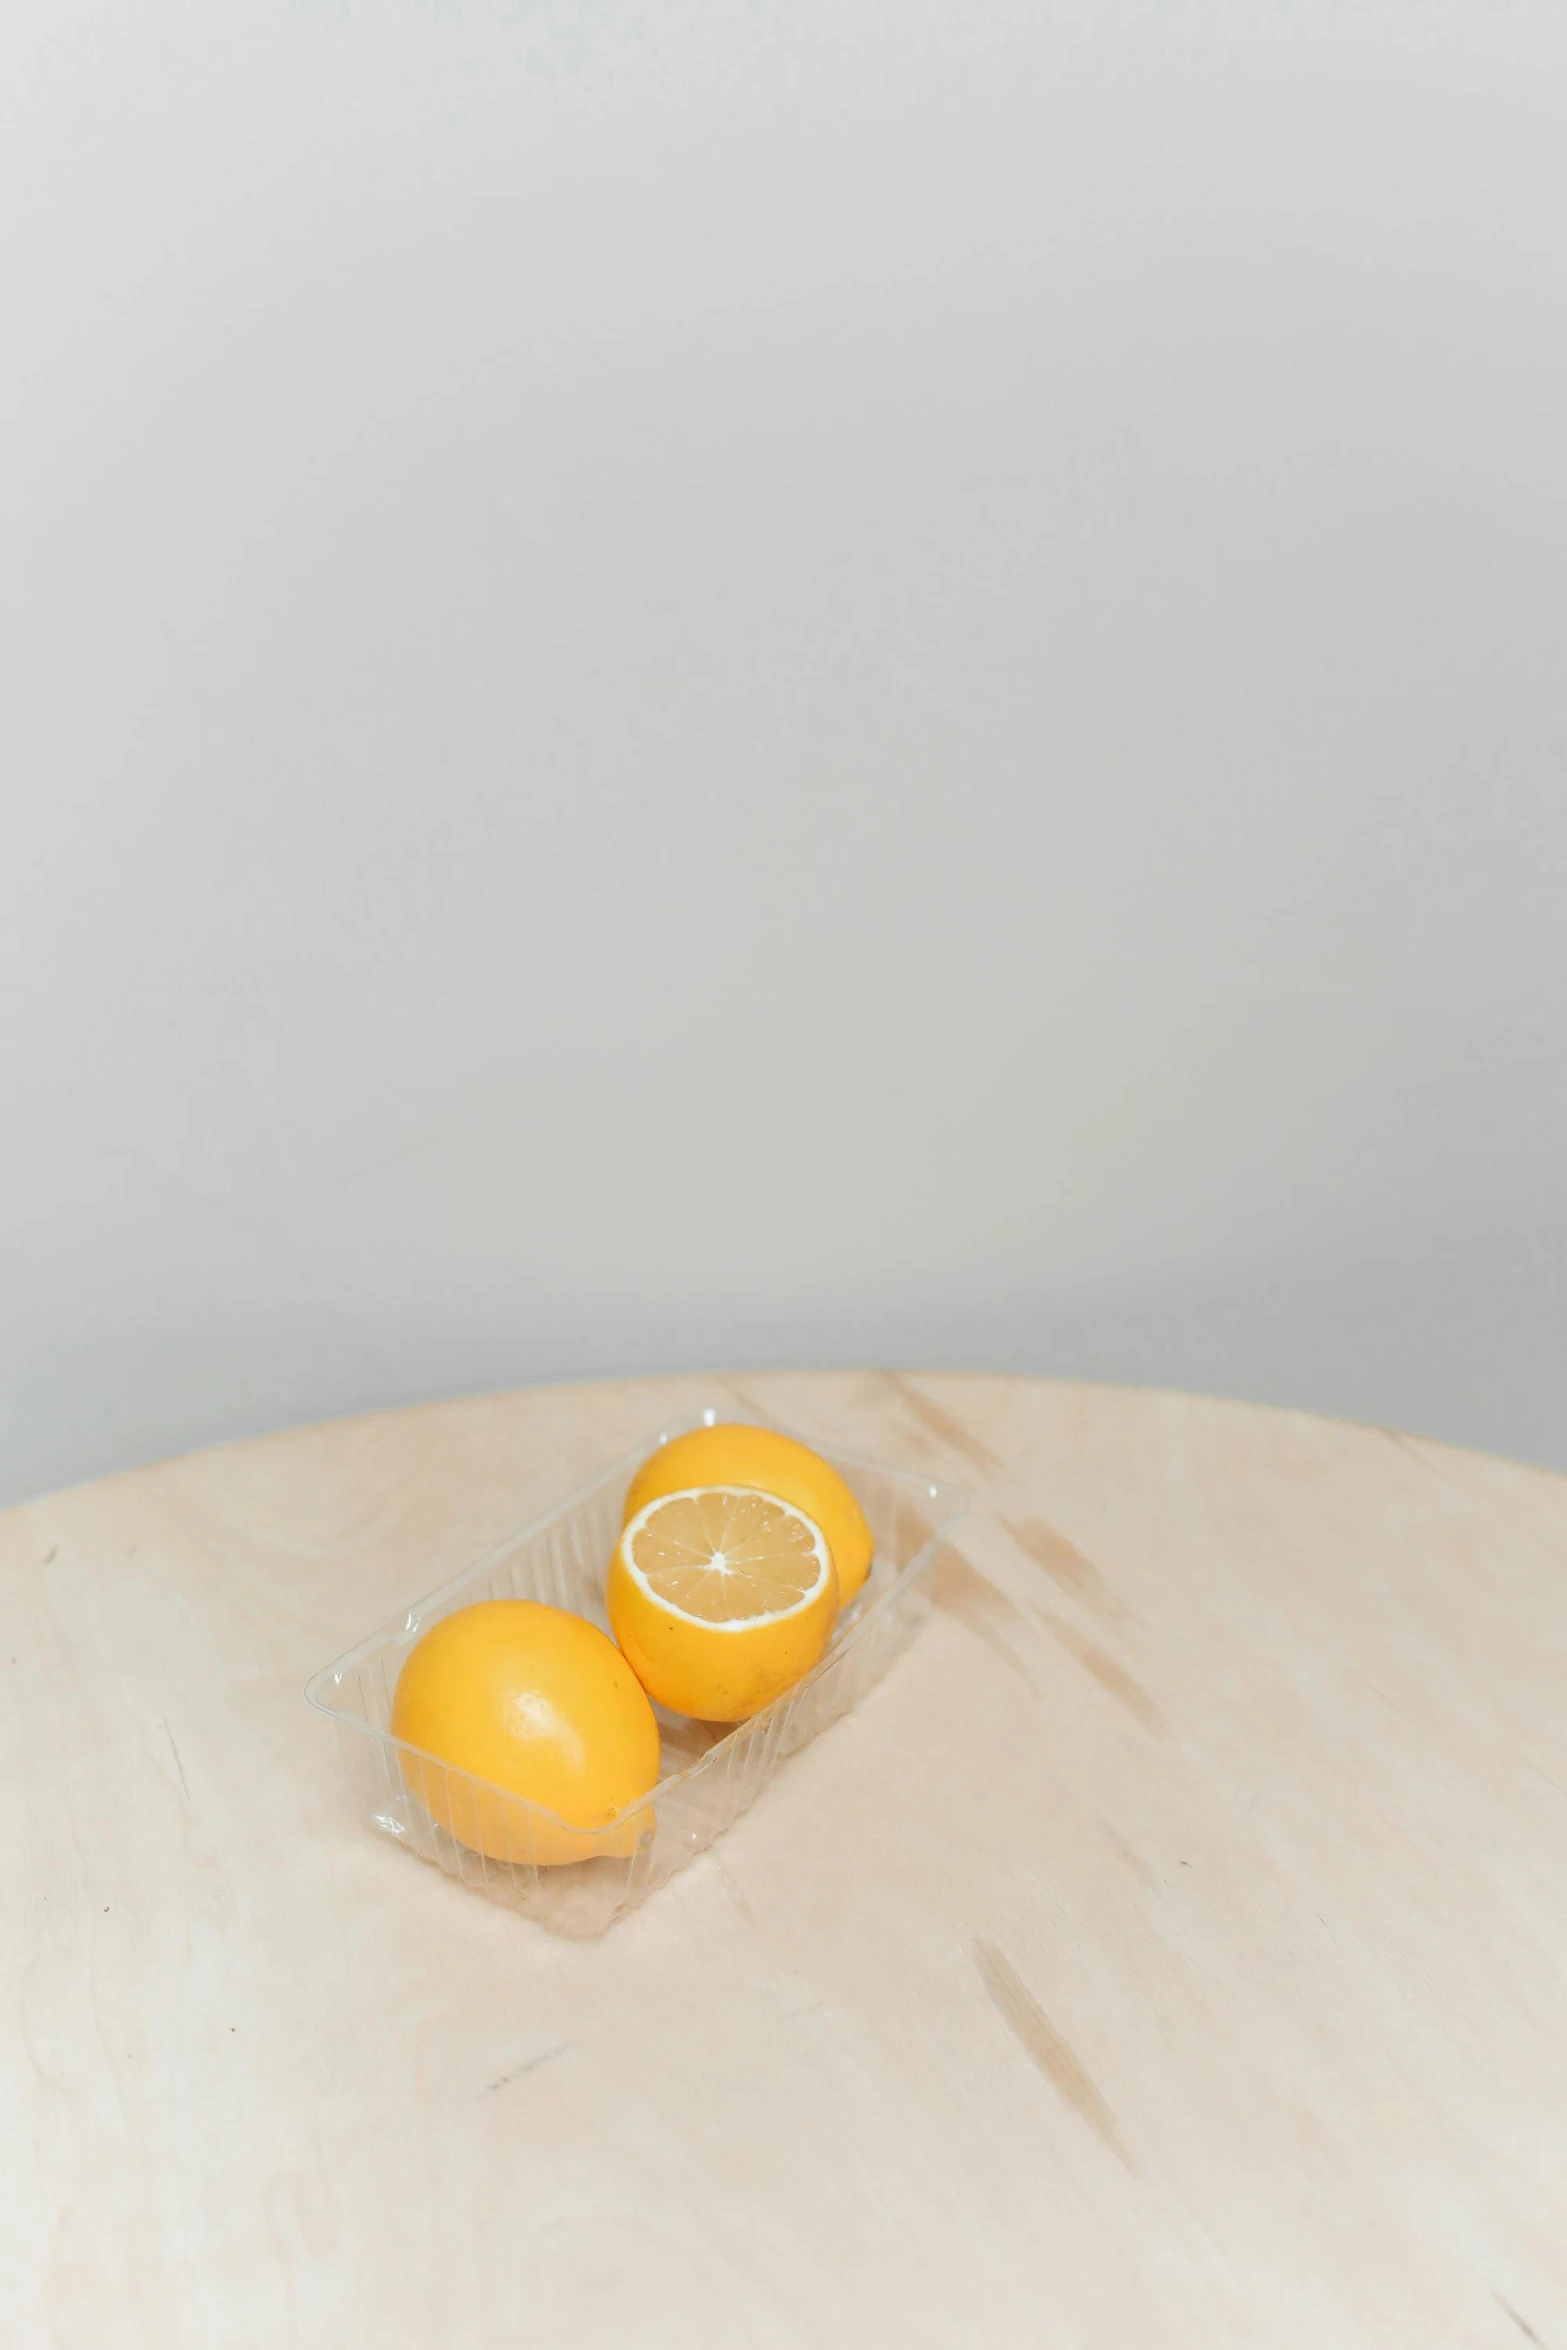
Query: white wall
{"points": [[817, 681]]}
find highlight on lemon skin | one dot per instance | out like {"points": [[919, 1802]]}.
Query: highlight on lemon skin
{"points": [[535, 1702], [736, 1453], [722, 1597]]}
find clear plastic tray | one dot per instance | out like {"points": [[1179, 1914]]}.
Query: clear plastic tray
{"points": [[709, 1775]]}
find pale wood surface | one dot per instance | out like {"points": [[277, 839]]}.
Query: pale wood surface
{"points": [[1170, 1951]]}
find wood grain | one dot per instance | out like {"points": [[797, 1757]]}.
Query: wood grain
{"points": [[1169, 1951]]}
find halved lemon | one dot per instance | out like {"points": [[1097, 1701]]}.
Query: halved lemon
{"points": [[739, 1453], [721, 1598]]}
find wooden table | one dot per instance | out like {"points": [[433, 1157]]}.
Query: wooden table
{"points": [[1170, 1951]]}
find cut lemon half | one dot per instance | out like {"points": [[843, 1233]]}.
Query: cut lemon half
{"points": [[739, 1453], [721, 1598]]}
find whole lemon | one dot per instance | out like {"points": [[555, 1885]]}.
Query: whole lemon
{"points": [[736, 1454], [540, 1703]]}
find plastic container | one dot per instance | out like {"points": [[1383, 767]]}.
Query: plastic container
{"points": [[709, 1775]]}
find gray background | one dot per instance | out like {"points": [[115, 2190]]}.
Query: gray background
{"points": [[805, 683]]}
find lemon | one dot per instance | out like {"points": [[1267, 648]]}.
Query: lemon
{"points": [[721, 1598], [735, 1454], [538, 1702]]}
